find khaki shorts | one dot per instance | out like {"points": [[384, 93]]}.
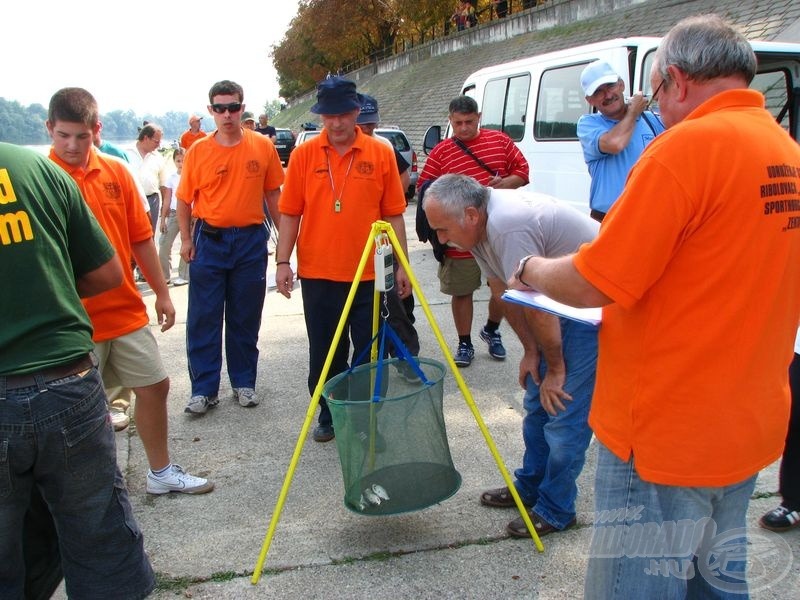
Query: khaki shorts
{"points": [[459, 276], [131, 360]]}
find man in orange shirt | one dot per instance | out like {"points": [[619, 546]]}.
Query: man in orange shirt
{"points": [[194, 133], [696, 267], [127, 350], [341, 181], [228, 179]]}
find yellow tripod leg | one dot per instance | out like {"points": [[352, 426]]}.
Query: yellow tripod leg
{"points": [[312, 407]]}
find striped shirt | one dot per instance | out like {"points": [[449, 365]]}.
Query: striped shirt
{"points": [[494, 148]]}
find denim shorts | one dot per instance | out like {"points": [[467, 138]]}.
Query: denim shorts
{"points": [[58, 436]]}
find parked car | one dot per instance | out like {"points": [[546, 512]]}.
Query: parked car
{"points": [[306, 135], [399, 141], [284, 144]]}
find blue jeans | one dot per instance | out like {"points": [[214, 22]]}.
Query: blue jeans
{"points": [[662, 541], [555, 447], [229, 279], [57, 436]]}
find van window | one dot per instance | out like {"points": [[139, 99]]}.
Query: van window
{"points": [[504, 104], [775, 87], [559, 104]]}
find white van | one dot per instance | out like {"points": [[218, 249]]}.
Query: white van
{"points": [[537, 101]]}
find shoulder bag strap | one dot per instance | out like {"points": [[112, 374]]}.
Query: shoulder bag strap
{"points": [[463, 146]]}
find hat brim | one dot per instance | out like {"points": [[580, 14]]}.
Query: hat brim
{"points": [[368, 118], [335, 107], [600, 81]]}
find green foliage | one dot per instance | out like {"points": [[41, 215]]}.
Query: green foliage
{"points": [[319, 41], [26, 125], [20, 125]]}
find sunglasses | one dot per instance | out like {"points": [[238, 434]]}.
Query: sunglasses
{"points": [[233, 107]]}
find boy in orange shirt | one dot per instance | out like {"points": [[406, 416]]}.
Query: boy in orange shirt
{"points": [[126, 348]]}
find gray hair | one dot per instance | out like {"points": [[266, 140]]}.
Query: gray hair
{"points": [[706, 47], [455, 193]]}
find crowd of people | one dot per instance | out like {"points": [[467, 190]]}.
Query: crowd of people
{"points": [[682, 256]]}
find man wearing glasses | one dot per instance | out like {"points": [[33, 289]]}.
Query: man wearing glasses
{"points": [[614, 136], [228, 177], [696, 270]]}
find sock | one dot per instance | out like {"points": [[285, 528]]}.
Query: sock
{"points": [[491, 326], [161, 472], [465, 339]]}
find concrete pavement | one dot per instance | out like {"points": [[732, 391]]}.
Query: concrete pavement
{"points": [[207, 546]]}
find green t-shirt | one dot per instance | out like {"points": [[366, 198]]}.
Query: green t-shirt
{"points": [[48, 239]]}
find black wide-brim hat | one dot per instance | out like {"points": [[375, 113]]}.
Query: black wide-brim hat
{"points": [[336, 96]]}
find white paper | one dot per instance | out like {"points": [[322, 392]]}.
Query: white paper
{"points": [[591, 316]]}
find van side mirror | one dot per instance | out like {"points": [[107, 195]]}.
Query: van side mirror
{"points": [[432, 137]]}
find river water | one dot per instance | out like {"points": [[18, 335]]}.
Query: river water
{"points": [[45, 148]]}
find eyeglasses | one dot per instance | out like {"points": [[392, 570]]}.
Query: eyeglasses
{"points": [[233, 107], [653, 97]]}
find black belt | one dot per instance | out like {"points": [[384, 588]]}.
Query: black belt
{"points": [[17, 382]]}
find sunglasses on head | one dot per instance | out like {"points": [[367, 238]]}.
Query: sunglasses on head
{"points": [[233, 107]]}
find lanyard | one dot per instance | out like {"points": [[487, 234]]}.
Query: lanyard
{"points": [[337, 200]]}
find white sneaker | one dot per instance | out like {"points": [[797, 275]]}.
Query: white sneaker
{"points": [[246, 397], [198, 405], [119, 419], [179, 281], [177, 480]]}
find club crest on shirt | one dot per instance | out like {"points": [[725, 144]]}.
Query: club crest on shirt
{"points": [[112, 190], [365, 168], [252, 166]]}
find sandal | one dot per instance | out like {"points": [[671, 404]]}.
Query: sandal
{"points": [[498, 498]]}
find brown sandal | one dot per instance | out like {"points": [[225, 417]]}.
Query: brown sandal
{"points": [[498, 498]]}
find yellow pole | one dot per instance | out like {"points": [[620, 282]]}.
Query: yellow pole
{"points": [[312, 407], [461, 384]]}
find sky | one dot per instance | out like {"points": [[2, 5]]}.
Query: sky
{"points": [[149, 56]]}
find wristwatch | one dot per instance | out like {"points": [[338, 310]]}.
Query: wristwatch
{"points": [[521, 268]]}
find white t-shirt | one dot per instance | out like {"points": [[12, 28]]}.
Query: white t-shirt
{"points": [[172, 183]]}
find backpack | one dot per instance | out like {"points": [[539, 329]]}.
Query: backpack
{"points": [[425, 232]]}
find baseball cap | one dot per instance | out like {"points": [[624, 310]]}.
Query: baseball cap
{"points": [[369, 110], [248, 116], [596, 74], [194, 118]]}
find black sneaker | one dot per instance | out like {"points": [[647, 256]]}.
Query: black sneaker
{"points": [[496, 348], [780, 519], [323, 433], [464, 355]]}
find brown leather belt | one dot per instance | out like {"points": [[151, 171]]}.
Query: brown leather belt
{"points": [[17, 382]]}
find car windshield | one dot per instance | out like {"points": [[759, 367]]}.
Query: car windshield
{"points": [[399, 141]]}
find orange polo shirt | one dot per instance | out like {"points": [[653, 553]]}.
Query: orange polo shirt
{"points": [[110, 191], [700, 255], [188, 138], [225, 185], [366, 183]]}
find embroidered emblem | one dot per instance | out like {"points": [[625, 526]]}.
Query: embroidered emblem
{"points": [[365, 168]]}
